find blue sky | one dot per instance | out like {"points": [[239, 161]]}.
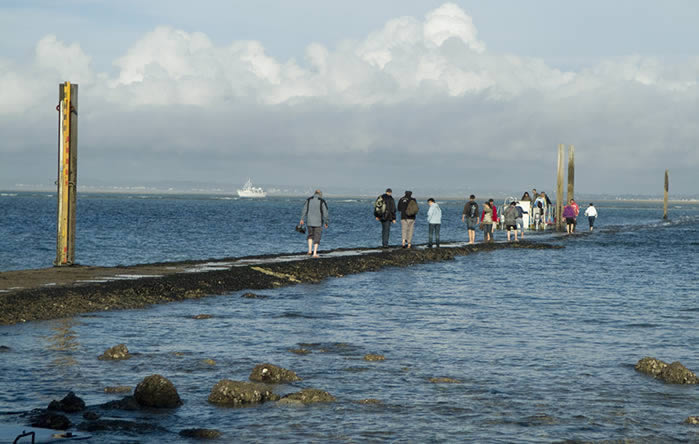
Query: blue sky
{"points": [[433, 91]]}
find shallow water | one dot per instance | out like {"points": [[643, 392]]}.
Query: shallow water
{"points": [[543, 342]]}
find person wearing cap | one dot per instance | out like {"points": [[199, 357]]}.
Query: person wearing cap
{"points": [[388, 217], [510, 214], [591, 213]]}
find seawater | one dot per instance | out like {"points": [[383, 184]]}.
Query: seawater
{"points": [[543, 342]]}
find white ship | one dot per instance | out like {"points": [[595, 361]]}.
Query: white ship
{"points": [[250, 191]]}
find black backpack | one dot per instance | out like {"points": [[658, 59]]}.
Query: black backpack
{"points": [[379, 207]]}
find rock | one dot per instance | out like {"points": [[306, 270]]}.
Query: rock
{"points": [[650, 366], [118, 389], [208, 362], [370, 401], [48, 420], [300, 351], [119, 425], [372, 357], [253, 296], [692, 420], [157, 391], [91, 416], [676, 373], [273, 374], [4, 349], [444, 381], [308, 396], [202, 316], [235, 393], [200, 433], [116, 353], [125, 403], [69, 404]]}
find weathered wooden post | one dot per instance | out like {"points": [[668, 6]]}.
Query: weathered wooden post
{"points": [[667, 189], [559, 189], [67, 173], [571, 173]]}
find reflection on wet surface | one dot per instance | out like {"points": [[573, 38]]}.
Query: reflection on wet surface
{"points": [[63, 342]]}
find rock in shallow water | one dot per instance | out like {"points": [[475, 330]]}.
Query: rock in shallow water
{"points": [[116, 353], [202, 316], [307, 396], [4, 349], [373, 357], [118, 389], [273, 374], [692, 420], [200, 433], [69, 404], [157, 391], [444, 381], [674, 373], [236, 393], [48, 420]]}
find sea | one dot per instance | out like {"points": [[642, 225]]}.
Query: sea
{"points": [[540, 345]]}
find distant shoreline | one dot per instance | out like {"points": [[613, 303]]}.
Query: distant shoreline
{"points": [[496, 196]]}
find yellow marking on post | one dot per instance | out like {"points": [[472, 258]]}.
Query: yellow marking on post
{"points": [[64, 178]]}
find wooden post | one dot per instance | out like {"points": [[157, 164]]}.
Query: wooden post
{"points": [[667, 189], [571, 173], [67, 173], [559, 190]]}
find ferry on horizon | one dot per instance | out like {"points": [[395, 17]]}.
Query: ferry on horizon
{"points": [[250, 191]]}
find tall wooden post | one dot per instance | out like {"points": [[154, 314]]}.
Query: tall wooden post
{"points": [[667, 189], [571, 173], [559, 190], [67, 173]]}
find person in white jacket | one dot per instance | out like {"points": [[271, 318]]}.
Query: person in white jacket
{"points": [[434, 219], [591, 213]]}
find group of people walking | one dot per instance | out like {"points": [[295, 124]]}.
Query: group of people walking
{"points": [[315, 217]]}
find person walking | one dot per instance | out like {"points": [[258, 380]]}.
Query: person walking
{"points": [[487, 222], [385, 212], [520, 219], [315, 216], [434, 219], [569, 216], [591, 213], [510, 214], [576, 208], [495, 214], [470, 216], [538, 214], [408, 209]]}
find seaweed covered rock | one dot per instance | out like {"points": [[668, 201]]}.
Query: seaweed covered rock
{"points": [[443, 380], [116, 353], [692, 420], [49, 420], [4, 349], [273, 374], [676, 373], [126, 403], [202, 316], [374, 357], [118, 389], [69, 404], [236, 393], [200, 433], [307, 396], [650, 366], [157, 391]]}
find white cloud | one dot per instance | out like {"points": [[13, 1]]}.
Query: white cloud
{"points": [[414, 86]]}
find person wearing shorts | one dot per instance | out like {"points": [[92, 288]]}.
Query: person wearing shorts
{"points": [[487, 222], [510, 214], [315, 215], [569, 216]]}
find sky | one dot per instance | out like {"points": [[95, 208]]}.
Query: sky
{"points": [[460, 97]]}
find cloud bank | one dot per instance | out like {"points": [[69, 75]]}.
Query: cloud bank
{"points": [[419, 102]]}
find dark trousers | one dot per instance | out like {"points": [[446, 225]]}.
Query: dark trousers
{"points": [[385, 232], [591, 220], [433, 231]]}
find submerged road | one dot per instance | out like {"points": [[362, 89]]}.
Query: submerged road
{"points": [[53, 293]]}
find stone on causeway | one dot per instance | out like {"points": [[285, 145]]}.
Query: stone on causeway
{"points": [[273, 374], [237, 393], [157, 391]]}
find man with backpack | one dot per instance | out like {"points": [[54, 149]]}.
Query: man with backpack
{"points": [[408, 208], [470, 216], [385, 212], [315, 214]]}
